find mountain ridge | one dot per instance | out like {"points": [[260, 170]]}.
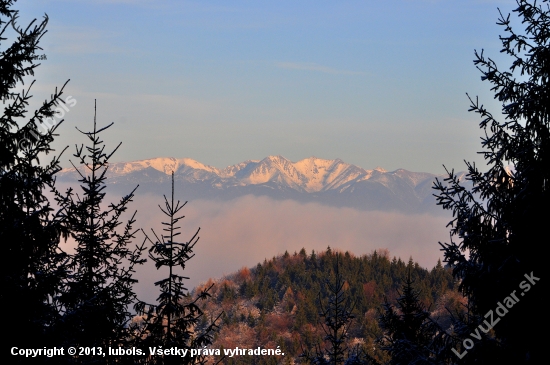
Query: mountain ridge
{"points": [[333, 182]]}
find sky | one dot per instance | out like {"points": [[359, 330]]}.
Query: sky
{"points": [[375, 83]]}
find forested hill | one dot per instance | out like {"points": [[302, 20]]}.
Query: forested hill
{"points": [[276, 303]]}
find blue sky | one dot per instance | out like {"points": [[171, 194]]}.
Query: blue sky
{"points": [[375, 83]]}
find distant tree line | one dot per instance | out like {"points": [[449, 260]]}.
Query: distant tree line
{"points": [[284, 302]]}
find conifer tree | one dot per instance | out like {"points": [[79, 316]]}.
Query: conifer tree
{"points": [[31, 261], [99, 288], [174, 321], [411, 336], [337, 317], [499, 225]]}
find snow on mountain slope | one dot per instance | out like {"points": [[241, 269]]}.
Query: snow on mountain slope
{"points": [[331, 182], [308, 175], [162, 164], [327, 174], [239, 169], [275, 169]]}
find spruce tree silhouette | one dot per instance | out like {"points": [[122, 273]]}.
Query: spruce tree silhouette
{"points": [[31, 261], [410, 335], [175, 320], [501, 222], [99, 288], [337, 317]]}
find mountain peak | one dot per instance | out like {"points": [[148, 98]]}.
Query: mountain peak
{"points": [[165, 165], [309, 179], [308, 175]]}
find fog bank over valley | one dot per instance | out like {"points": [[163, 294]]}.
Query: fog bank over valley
{"points": [[245, 231]]}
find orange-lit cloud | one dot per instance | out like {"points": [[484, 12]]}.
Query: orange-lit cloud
{"points": [[245, 231]]}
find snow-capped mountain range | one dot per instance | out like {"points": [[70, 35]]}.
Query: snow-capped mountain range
{"points": [[332, 182]]}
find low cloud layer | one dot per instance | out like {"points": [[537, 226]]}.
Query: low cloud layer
{"points": [[248, 230]]}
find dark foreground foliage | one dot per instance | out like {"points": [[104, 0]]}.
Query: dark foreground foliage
{"points": [[176, 320], [95, 296], [52, 298], [30, 229], [499, 226]]}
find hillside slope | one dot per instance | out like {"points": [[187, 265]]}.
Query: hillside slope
{"points": [[276, 303]]}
